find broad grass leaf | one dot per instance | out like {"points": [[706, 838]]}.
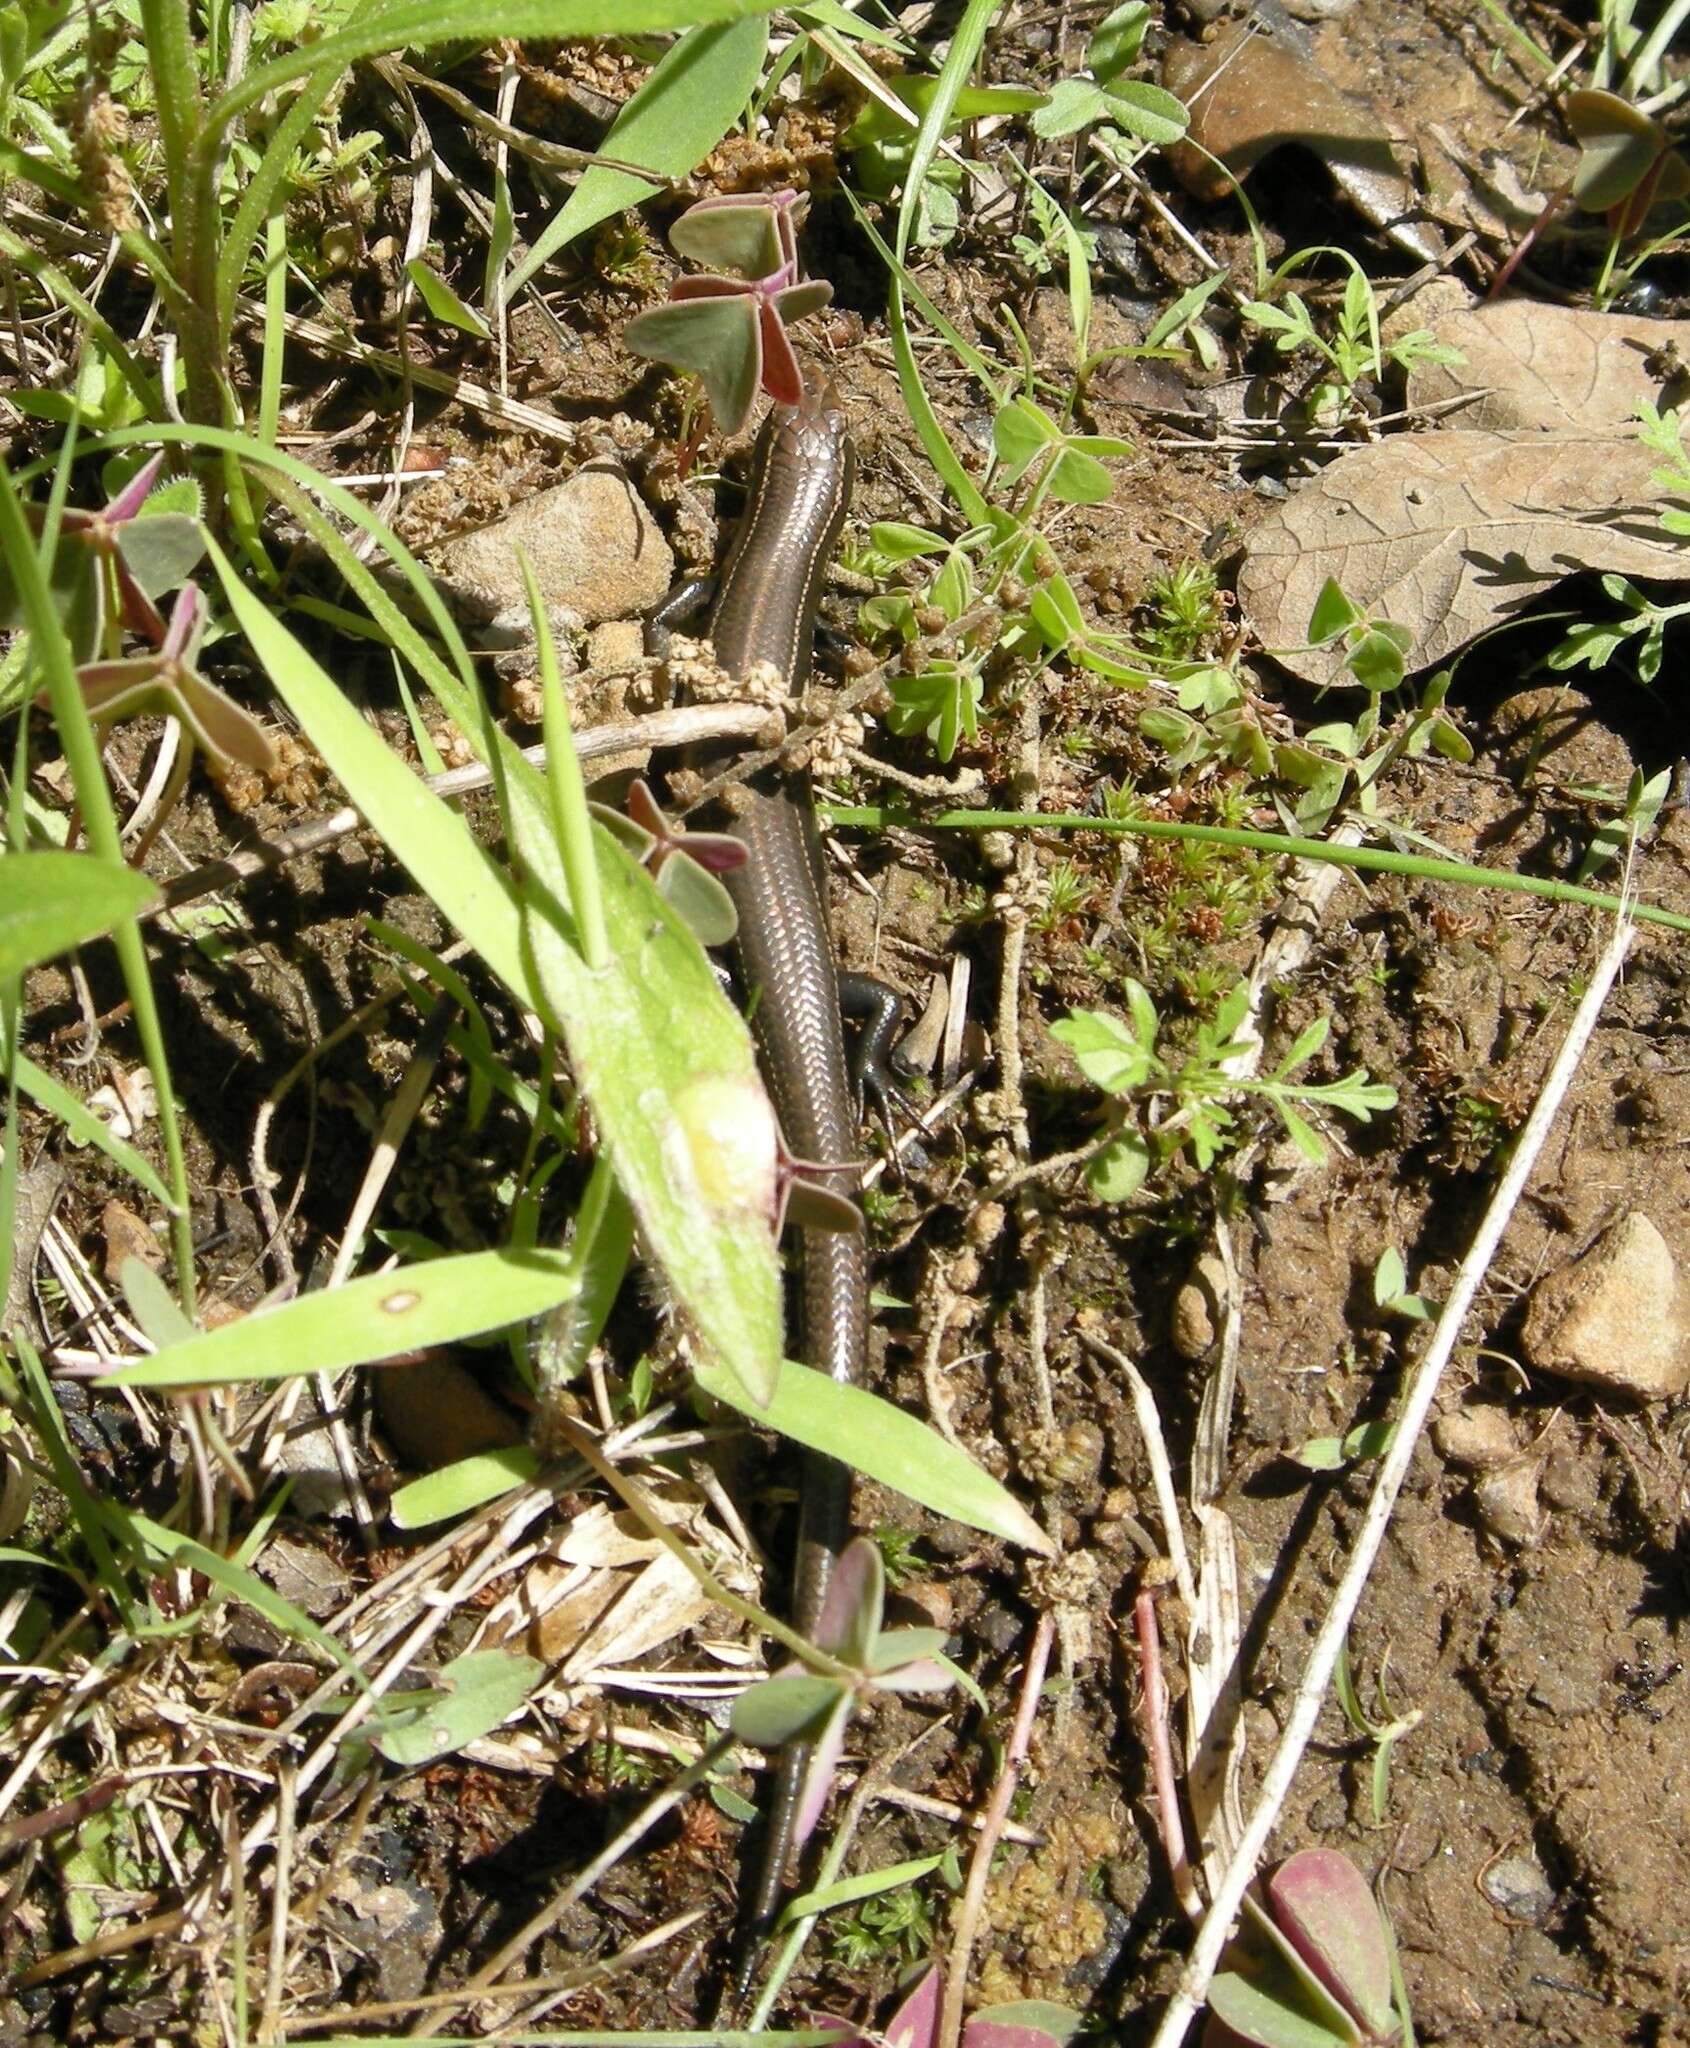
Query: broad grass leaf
{"points": [[420, 24], [50, 902], [455, 1489], [457, 874], [884, 1443], [85, 1128], [445, 305], [440, 1302], [670, 126], [476, 1694], [850, 1891]]}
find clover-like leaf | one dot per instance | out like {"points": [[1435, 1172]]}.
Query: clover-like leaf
{"points": [[716, 334], [168, 682], [1620, 146], [751, 232]]}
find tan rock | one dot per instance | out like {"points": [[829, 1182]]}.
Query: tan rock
{"points": [[1616, 1318], [1507, 1502], [617, 644], [1200, 1308], [595, 548], [1480, 1439]]}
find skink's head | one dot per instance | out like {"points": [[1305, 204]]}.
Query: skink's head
{"points": [[813, 435]]}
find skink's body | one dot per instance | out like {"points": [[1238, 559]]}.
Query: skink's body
{"points": [[766, 613]]}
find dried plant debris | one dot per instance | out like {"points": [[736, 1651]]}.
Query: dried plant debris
{"points": [[1448, 534], [1257, 88], [1555, 369]]}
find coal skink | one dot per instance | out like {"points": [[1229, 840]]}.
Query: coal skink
{"points": [[766, 612]]}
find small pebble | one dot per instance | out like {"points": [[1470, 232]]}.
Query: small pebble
{"points": [[1616, 1318], [1519, 1888]]}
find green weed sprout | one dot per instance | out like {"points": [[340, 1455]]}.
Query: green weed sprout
{"points": [[730, 330], [1384, 1734], [1164, 1106], [1313, 1966]]}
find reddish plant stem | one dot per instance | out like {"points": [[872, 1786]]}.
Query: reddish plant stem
{"points": [[1160, 1746]]}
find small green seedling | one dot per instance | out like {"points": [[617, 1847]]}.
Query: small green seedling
{"points": [[731, 330], [816, 1708], [1355, 348], [1313, 1966], [1031, 2023], [1642, 622], [110, 565], [1384, 1734], [1105, 101], [1391, 1290], [1375, 650], [1167, 1105], [881, 147]]}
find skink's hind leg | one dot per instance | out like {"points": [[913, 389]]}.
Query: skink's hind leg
{"points": [[878, 1013]]}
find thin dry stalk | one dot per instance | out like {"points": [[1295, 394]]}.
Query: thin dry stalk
{"points": [[997, 1812], [1393, 1469], [1161, 1465]]}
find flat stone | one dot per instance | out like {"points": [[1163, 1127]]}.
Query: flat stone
{"points": [[1506, 1500], [595, 548], [1480, 1439], [1616, 1318]]}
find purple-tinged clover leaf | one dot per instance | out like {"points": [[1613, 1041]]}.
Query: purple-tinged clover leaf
{"points": [[168, 681], [731, 331], [685, 865], [1322, 1905], [1030, 2023], [816, 1708], [119, 552], [1311, 1970]]}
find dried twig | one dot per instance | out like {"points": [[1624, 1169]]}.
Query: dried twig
{"points": [[997, 1811]]}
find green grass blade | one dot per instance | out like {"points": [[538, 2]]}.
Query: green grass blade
{"points": [[52, 652], [416, 24], [1364, 859], [440, 1302], [455, 1489], [429, 837], [880, 1440], [670, 125]]}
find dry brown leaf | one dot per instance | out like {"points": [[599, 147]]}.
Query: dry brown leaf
{"points": [[1451, 533], [1550, 367]]}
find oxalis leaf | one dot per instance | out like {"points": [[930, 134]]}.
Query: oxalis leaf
{"points": [[663, 1058], [884, 1443]]}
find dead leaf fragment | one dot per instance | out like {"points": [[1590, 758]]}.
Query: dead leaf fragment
{"points": [[1553, 368], [1450, 533], [1258, 87]]}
